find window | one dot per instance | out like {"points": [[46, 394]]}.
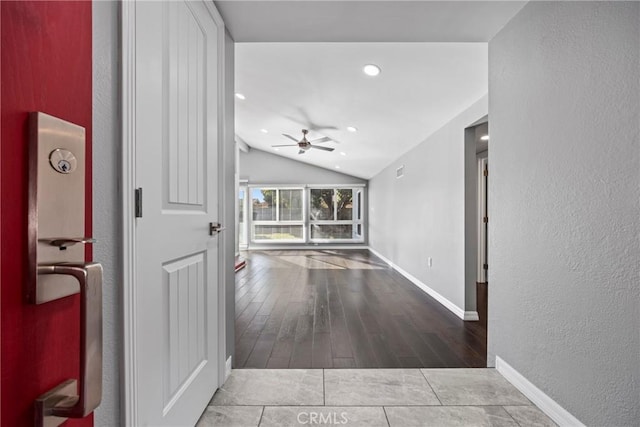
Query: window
{"points": [[242, 217], [290, 205], [264, 203], [335, 215], [288, 214], [358, 219], [277, 214]]}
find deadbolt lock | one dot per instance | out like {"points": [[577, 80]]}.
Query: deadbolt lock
{"points": [[62, 160]]}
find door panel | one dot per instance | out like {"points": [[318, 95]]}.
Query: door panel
{"points": [[176, 116], [185, 328], [186, 85], [46, 59]]}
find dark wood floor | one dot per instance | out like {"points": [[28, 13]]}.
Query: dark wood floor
{"points": [[345, 309]]}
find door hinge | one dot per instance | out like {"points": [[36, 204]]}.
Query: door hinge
{"points": [[138, 207], [485, 172], [485, 266], [485, 219]]}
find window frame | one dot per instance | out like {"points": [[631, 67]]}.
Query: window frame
{"points": [[243, 227], [277, 221], [356, 208]]}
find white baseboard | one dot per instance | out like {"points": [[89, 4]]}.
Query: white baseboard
{"points": [[227, 368], [303, 248], [557, 413], [464, 315], [382, 257], [471, 315]]}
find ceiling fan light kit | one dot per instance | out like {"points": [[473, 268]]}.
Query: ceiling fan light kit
{"points": [[304, 144]]}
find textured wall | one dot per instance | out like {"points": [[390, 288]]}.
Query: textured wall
{"points": [[421, 215], [564, 298], [107, 198], [260, 167]]}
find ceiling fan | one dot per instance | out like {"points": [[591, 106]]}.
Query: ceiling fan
{"points": [[304, 144]]}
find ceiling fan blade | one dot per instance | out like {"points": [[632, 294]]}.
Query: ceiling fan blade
{"points": [[310, 124], [319, 140], [290, 137], [317, 127], [322, 148], [285, 145]]}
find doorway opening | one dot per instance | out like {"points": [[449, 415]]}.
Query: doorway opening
{"points": [[476, 218], [308, 213]]}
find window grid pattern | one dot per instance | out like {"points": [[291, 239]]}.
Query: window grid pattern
{"points": [[335, 215], [277, 215], [306, 214]]}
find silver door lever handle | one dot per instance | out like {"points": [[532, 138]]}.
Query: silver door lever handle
{"points": [[77, 399], [214, 227]]}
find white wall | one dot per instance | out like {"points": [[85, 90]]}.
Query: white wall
{"points": [[229, 194], [564, 293], [106, 199], [421, 215], [260, 167]]}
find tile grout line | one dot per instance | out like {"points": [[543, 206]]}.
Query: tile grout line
{"points": [[509, 413], [324, 391], [390, 405], [384, 410], [430, 386], [261, 415]]}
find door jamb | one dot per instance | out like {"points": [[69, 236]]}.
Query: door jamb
{"points": [[129, 302], [129, 387], [482, 226]]}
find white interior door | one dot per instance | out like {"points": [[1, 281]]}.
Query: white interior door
{"points": [[177, 58]]}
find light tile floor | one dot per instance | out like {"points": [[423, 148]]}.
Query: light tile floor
{"points": [[371, 398]]}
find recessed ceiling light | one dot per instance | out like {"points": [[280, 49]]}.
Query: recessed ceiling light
{"points": [[484, 138], [264, 131], [371, 70], [352, 129], [337, 167], [240, 96], [343, 153]]}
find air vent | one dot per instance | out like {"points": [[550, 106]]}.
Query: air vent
{"points": [[400, 172]]}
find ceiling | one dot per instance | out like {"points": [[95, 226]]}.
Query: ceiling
{"points": [[366, 21], [291, 84]]}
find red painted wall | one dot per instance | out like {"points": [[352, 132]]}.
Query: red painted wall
{"points": [[46, 66]]}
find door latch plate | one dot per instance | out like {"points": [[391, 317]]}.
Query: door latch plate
{"points": [[57, 159]]}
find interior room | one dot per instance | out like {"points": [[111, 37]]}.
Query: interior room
{"points": [[270, 213], [311, 295]]}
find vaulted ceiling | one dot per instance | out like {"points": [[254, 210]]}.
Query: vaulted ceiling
{"points": [[299, 65]]}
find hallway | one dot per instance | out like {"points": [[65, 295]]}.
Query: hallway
{"points": [[371, 398], [345, 309]]}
